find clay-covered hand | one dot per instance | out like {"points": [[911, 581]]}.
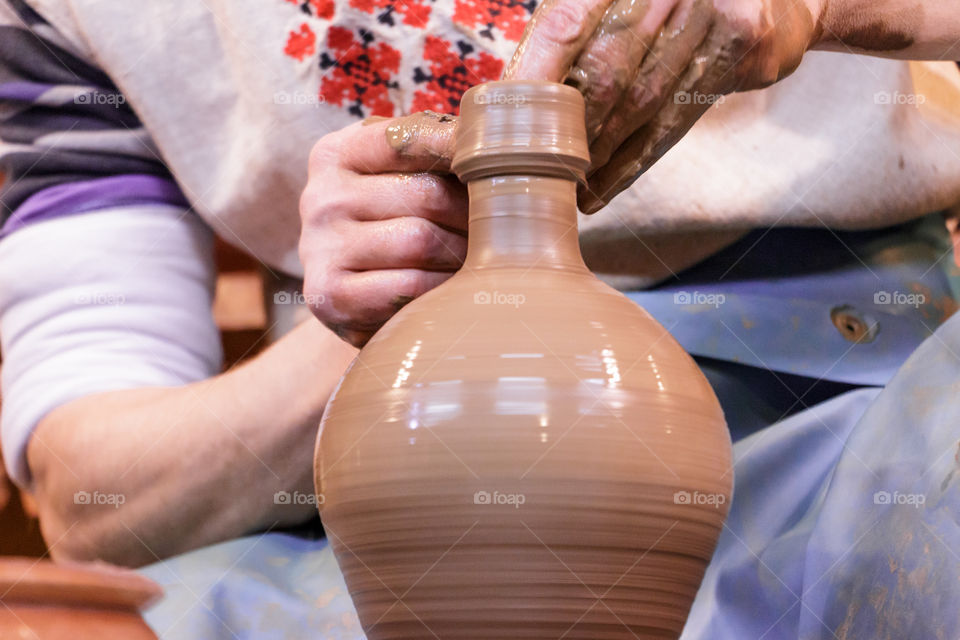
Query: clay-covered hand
{"points": [[650, 68], [383, 220]]}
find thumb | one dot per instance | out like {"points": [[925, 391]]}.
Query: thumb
{"points": [[419, 142]]}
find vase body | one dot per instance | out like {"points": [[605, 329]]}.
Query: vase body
{"points": [[523, 452]]}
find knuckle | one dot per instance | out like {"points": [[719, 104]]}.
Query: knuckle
{"points": [[316, 292], [319, 206], [605, 81], [744, 53], [564, 21], [441, 195], [409, 288], [643, 94], [336, 211], [425, 243], [323, 153], [340, 302], [308, 204], [434, 188], [744, 36]]}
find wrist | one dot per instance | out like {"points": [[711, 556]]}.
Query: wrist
{"points": [[821, 30]]}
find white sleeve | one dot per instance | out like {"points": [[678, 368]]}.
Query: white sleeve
{"points": [[114, 299]]}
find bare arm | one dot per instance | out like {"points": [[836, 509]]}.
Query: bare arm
{"points": [[629, 260], [650, 69], [194, 464], [904, 29]]}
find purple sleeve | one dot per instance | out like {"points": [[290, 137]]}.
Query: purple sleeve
{"points": [[51, 100]]}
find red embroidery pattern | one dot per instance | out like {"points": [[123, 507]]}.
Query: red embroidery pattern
{"points": [[414, 12], [316, 8], [302, 43], [358, 72], [450, 74], [508, 16]]}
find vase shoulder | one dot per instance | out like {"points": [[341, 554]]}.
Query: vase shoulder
{"points": [[571, 329]]}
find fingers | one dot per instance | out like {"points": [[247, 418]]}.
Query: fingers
{"points": [[382, 220], [654, 86], [610, 58], [553, 38], [440, 199], [404, 243], [371, 243], [415, 143], [341, 195], [618, 163], [638, 153], [357, 304]]}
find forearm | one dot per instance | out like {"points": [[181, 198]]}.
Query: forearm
{"points": [[638, 261], [904, 29], [203, 460]]}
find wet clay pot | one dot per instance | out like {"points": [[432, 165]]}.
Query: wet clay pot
{"points": [[47, 601], [523, 452]]}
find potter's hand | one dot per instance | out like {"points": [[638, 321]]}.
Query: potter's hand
{"points": [[383, 222], [650, 68]]}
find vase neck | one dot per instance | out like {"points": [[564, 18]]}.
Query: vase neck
{"points": [[523, 221]]}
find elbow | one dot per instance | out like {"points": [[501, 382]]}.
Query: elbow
{"points": [[78, 523], [84, 526], [68, 534]]}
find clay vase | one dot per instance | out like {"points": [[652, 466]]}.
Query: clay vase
{"points": [[523, 452], [46, 601]]}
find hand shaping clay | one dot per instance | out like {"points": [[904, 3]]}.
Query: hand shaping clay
{"points": [[523, 452]]}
